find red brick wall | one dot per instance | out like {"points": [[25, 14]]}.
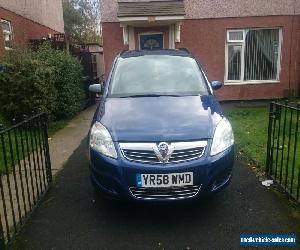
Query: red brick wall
{"points": [[296, 60], [206, 40], [112, 43], [23, 29]]}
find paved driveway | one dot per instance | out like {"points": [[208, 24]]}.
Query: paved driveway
{"points": [[70, 218]]}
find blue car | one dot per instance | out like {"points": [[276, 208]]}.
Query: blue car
{"points": [[158, 133]]}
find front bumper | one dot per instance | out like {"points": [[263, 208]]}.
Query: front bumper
{"points": [[117, 177]]}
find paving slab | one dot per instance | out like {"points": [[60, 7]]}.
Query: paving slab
{"points": [[63, 143]]}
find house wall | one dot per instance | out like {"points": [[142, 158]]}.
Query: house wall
{"points": [[204, 32], [205, 39], [202, 9], [296, 60], [112, 43], [46, 12], [23, 29], [295, 55]]}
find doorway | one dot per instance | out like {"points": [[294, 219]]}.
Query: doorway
{"points": [[151, 41]]}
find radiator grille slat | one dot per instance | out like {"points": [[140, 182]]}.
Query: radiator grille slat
{"points": [[148, 156], [171, 193]]}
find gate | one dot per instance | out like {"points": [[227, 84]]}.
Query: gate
{"points": [[283, 148], [25, 173]]}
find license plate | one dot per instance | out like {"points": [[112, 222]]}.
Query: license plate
{"points": [[164, 180]]}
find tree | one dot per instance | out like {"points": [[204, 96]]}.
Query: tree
{"points": [[82, 20]]}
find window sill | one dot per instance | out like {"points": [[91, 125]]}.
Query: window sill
{"points": [[251, 82]]}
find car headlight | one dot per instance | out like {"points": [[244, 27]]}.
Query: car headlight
{"points": [[223, 137], [101, 141]]}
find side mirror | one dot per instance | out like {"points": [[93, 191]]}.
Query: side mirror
{"points": [[216, 85], [95, 88]]}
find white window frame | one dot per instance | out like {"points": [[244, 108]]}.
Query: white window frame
{"points": [[242, 43], [236, 30], [5, 32]]}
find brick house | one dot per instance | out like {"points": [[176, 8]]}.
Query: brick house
{"points": [[252, 46], [23, 20]]}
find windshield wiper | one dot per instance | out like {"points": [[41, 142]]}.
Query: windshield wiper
{"points": [[147, 95]]}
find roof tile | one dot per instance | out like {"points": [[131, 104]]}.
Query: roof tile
{"points": [[163, 8]]}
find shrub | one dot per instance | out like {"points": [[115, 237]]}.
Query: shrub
{"points": [[42, 80], [67, 80], [3, 121], [26, 85]]}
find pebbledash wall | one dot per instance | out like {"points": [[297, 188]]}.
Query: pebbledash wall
{"points": [[31, 19], [203, 32]]}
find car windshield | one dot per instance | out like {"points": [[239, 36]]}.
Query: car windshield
{"points": [[155, 75]]}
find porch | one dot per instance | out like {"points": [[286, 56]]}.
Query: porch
{"points": [[151, 25]]}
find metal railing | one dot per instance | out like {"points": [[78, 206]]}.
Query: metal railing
{"points": [[25, 173], [283, 148]]}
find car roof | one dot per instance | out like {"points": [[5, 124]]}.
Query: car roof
{"points": [[168, 52]]}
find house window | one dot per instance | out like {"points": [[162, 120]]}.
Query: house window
{"points": [[7, 33], [253, 55]]}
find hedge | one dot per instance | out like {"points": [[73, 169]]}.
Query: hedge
{"points": [[42, 80], [67, 81]]}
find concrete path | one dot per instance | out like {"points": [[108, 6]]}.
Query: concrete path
{"points": [[64, 142], [71, 218], [30, 176]]}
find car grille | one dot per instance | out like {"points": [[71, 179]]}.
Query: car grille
{"points": [[146, 154], [171, 193]]}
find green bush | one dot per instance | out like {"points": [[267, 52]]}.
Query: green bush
{"points": [[3, 121], [26, 85], [43, 80], [67, 80]]}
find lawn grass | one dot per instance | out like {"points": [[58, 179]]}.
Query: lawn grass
{"points": [[250, 125], [19, 143], [56, 126]]}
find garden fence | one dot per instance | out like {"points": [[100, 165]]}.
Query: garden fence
{"points": [[283, 148], [25, 173]]}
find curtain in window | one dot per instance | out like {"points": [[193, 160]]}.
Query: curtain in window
{"points": [[6, 26], [234, 62], [261, 54], [7, 33]]}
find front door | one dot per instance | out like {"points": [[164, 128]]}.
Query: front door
{"points": [[151, 41]]}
